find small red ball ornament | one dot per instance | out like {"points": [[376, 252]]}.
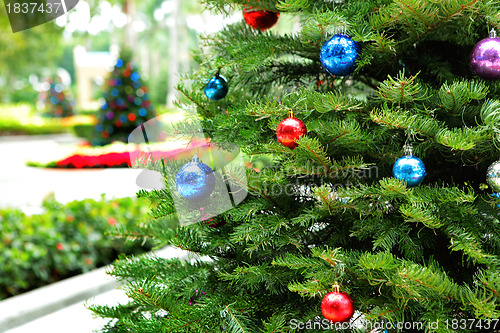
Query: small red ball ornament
{"points": [[290, 129], [260, 19], [337, 307]]}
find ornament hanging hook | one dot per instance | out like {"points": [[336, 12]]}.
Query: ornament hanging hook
{"points": [[407, 147], [493, 33], [336, 287], [343, 29], [290, 114]]}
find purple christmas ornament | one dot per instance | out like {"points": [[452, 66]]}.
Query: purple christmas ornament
{"points": [[110, 114], [485, 58]]}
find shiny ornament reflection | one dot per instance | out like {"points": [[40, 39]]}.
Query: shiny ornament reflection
{"points": [[485, 58], [410, 169], [195, 180], [339, 54], [290, 129], [337, 307], [493, 176], [260, 19], [216, 88]]}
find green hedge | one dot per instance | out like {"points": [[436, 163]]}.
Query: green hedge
{"points": [[83, 130], [63, 241], [22, 119], [15, 128], [18, 119]]}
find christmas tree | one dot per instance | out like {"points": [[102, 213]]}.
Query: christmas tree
{"points": [[126, 105], [378, 197], [54, 100]]}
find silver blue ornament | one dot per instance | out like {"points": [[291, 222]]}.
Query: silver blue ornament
{"points": [[195, 180], [410, 169], [216, 88], [339, 54], [496, 195], [493, 176]]}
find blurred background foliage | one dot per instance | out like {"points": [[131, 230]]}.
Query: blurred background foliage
{"points": [[151, 29]]}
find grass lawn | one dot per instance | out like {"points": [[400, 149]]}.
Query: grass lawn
{"points": [[22, 119]]}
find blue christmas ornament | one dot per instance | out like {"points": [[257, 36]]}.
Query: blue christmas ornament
{"points": [[496, 195], [339, 54], [134, 76], [493, 176], [195, 180], [411, 169], [216, 88]]}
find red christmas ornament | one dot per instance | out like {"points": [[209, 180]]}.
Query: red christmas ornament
{"points": [[260, 19], [337, 306], [290, 129], [213, 223]]}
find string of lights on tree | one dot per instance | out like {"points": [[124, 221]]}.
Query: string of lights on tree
{"points": [[126, 104], [54, 101]]}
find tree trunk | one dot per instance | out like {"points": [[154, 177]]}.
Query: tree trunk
{"points": [[130, 35], [173, 74]]}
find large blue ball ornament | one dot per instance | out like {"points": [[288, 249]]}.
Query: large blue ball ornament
{"points": [[216, 88], [195, 180], [339, 54], [410, 169]]}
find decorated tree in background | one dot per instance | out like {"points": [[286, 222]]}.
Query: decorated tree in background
{"points": [[126, 106], [55, 101], [377, 201]]}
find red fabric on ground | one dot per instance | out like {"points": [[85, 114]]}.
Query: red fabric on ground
{"points": [[123, 159]]}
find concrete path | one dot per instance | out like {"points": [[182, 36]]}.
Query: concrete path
{"points": [[25, 187], [75, 318]]}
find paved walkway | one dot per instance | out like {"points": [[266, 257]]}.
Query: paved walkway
{"points": [[25, 187], [75, 318]]}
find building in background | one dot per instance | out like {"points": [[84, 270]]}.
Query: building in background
{"points": [[91, 69]]}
